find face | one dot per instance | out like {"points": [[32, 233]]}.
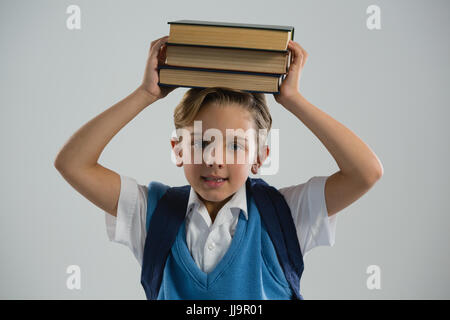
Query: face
{"points": [[238, 153]]}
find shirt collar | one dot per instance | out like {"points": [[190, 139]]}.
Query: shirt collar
{"points": [[237, 201]]}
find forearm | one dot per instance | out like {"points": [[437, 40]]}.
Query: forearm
{"points": [[351, 154], [85, 146]]}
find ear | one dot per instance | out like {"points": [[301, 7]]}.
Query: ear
{"points": [[178, 151], [262, 156]]}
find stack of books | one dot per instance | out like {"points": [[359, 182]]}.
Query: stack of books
{"points": [[248, 57]]}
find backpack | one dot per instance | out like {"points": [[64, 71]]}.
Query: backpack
{"points": [[163, 228]]}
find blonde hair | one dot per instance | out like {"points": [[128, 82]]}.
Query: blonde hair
{"points": [[195, 98]]}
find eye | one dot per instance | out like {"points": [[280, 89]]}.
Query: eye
{"points": [[199, 143], [203, 143], [234, 144]]}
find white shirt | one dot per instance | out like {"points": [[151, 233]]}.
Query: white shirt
{"points": [[209, 242]]}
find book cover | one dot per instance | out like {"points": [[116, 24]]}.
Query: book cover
{"points": [[236, 25]]}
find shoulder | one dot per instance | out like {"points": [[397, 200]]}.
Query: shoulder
{"points": [[139, 197], [156, 189], [309, 212]]}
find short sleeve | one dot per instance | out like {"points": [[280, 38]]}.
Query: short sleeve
{"points": [[310, 214], [129, 227]]}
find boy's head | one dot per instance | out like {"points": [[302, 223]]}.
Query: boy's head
{"points": [[220, 132]]}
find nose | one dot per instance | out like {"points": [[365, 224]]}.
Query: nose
{"points": [[210, 165], [211, 159]]}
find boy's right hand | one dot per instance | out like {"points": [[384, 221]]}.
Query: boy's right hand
{"points": [[156, 57]]}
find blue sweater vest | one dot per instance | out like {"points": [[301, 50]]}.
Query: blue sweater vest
{"points": [[249, 270]]}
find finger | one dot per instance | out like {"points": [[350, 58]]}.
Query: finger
{"points": [[296, 55], [300, 54], [162, 55], [157, 41], [157, 47], [304, 54]]}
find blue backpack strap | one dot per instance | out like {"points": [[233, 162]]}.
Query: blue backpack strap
{"points": [[163, 225], [155, 191], [276, 216]]}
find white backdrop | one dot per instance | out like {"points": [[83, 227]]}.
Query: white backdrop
{"points": [[390, 86]]}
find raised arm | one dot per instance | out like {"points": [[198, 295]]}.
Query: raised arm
{"points": [[77, 160], [359, 166]]}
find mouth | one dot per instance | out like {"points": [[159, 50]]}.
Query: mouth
{"points": [[214, 182]]}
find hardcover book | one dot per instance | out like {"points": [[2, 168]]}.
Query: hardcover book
{"points": [[249, 57]]}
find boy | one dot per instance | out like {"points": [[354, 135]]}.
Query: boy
{"points": [[217, 212]]}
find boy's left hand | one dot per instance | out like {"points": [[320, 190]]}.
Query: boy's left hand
{"points": [[290, 85]]}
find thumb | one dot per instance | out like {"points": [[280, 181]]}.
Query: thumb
{"points": [[296, 57]]}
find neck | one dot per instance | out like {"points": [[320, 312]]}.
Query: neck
{"points": [[214, 207]]}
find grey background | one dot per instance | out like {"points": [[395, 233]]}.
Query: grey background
{"points": [[389, 86]]}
